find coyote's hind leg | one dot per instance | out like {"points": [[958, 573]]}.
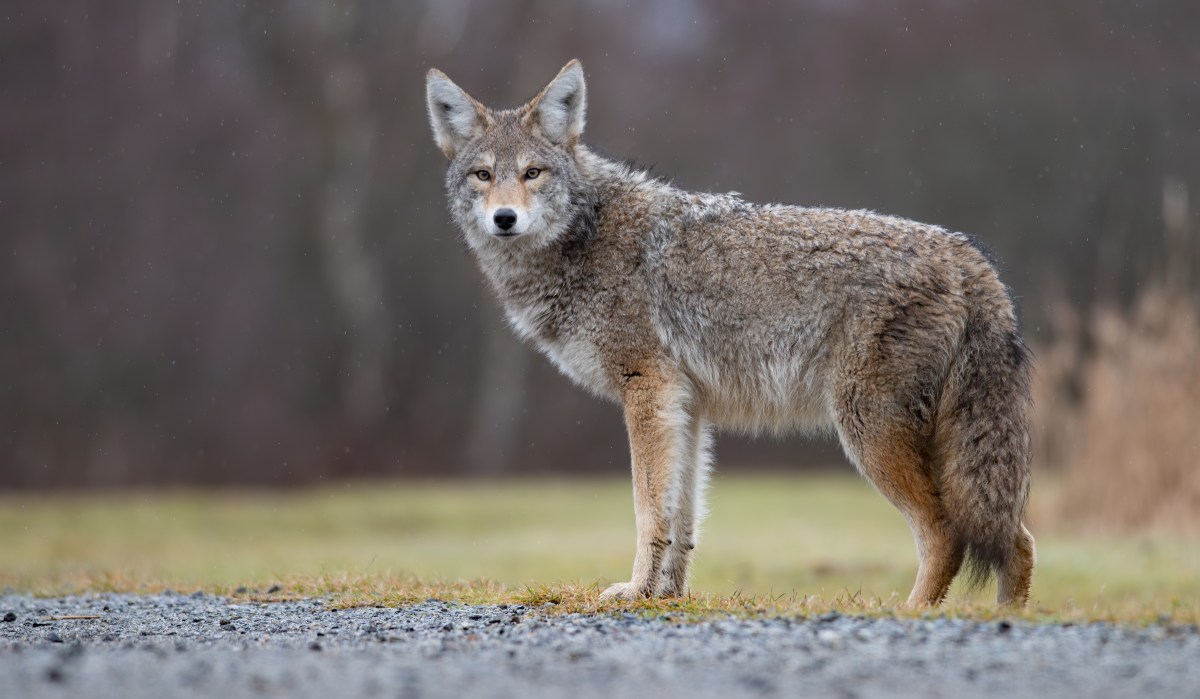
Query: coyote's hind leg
{"points": [[1016, 574], [885, 450]]}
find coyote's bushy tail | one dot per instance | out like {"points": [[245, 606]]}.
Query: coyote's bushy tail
{"points": [[983, 438]]}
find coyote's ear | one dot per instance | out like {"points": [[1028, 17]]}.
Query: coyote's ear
{"points": [[559, 108], [455, 116]]}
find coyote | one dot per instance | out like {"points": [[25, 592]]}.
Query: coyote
{"points": [[697, 311]]}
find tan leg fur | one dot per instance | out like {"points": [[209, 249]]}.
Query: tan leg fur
{"points": [[901, 475], [659, 439], [1013, 580]]}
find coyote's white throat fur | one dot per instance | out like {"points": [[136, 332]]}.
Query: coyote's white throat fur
{"points": [[701, 311]]}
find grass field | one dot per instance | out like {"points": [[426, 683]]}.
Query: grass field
{"points": [[800, 543]]}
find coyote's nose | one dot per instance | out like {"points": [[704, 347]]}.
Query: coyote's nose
{"points": [[505, 219]]}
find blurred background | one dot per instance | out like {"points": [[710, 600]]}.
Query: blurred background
{"points": [[227, 260]]}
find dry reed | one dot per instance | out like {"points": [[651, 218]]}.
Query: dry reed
{"points": [[1118, 415]]}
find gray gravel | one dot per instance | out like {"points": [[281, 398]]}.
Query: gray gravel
{"points": [[200, 645]]}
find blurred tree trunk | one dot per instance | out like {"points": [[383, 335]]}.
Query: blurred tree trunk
{"points": [[313, 51], [500, 399], [347, 135]]}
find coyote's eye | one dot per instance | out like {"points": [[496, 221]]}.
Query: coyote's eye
{"points": [[532, 173], [483, 175]]}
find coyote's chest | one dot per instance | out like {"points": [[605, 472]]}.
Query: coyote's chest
{"points": [[571, 350]]}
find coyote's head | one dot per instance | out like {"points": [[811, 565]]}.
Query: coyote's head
{"points": [[513, 178]]}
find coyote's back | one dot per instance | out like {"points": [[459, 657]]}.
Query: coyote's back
{"points": [[697, 310]]}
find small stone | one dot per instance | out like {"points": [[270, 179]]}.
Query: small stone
{"points": [[241, 590], [1003, 627], [829, 636], [273, 589], [54, 638], [314, 646], [9, 616]]}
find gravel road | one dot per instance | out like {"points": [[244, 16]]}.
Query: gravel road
{"points": [[200, 645]]}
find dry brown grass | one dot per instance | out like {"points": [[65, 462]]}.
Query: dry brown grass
{"points": [[792, 545], [1118, 416], [344, 591]]}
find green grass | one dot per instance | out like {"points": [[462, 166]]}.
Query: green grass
{"points": [[786, 543]]}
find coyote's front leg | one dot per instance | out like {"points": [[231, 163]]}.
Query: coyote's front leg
{"points": [[688, 510], [657, 416]]}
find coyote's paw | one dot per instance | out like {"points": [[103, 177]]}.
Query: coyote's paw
{"points": [[625, 591], [671, 588]]}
